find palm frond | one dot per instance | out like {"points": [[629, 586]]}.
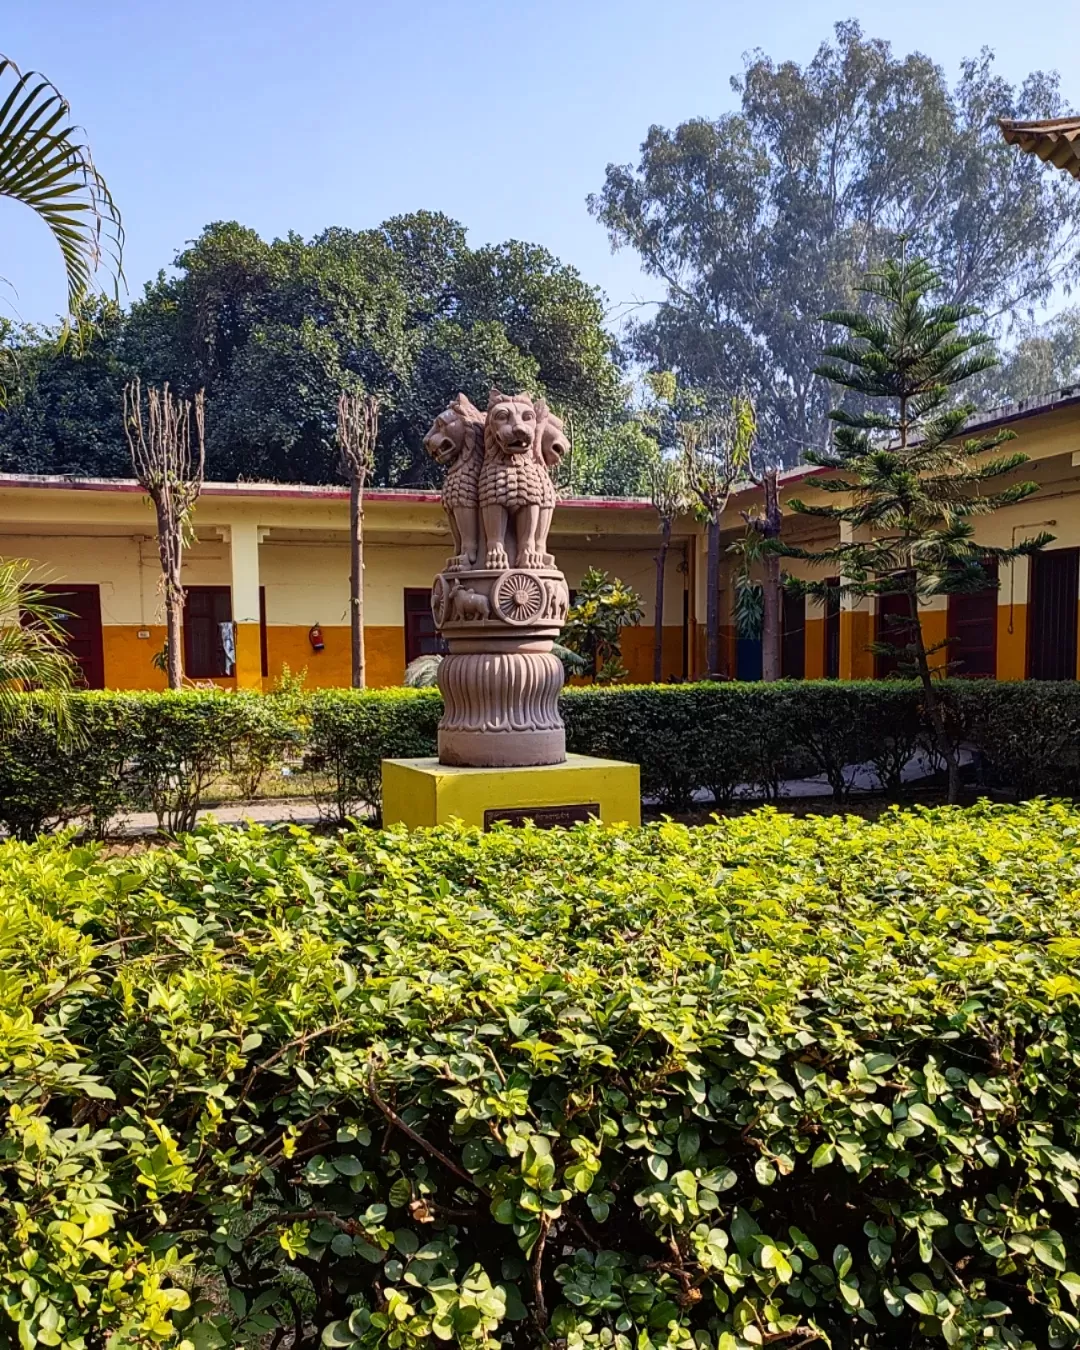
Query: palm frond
{"points": [[45, 164], [33, 649]]}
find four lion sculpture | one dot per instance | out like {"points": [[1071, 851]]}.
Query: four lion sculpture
{"points": [[498, 493]]}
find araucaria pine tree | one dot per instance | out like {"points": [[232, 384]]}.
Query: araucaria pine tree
{"points": [[910, 480]]}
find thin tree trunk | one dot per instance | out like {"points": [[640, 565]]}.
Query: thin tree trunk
{"points": [[658, 628], [356, 577], [712, 601], [170, 552], [174, 608], [767, 525], [770, 619], [933, 705]]}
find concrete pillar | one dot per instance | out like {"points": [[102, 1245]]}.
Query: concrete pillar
{"points": [[814, 641], [244, 539], [1012, 608]]}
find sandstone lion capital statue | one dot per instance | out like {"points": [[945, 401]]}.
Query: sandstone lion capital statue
{"points": [[500, 601]]}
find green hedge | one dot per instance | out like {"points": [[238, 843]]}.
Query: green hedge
{"points": [[799, 1083], [160, 752]]}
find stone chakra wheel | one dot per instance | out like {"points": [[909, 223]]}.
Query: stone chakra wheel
{"points": [[440, 600], [518, 598]]}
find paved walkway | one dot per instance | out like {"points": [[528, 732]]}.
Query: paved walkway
{"points": [[271, 811], [299, 811]]}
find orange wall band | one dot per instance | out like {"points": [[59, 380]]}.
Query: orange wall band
{"points": [[129, 658], [935, 628], [814, 668], [856, 634], [1012, 646]]}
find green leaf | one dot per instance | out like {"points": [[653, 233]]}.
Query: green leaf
{"points": [[348, 1165], [924, 1115], [765, 1171], [475, 1155], [689, 1144], [406, 1241], [823, 1155]]}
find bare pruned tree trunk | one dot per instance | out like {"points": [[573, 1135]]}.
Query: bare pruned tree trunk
{"points": [[712, 600], [160, 431], [358, 429], [658, 611], [767, 524], [669, 495], [715, 452]]}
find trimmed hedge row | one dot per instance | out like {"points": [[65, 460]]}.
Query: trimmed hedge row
{"points": [[160, 752], [773, 1082]]}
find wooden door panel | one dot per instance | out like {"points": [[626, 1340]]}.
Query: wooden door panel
{"points": [[1052, 614], [972, 631], [82, 628]]}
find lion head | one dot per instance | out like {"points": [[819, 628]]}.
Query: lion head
{"points": [[449, 432], [511, 423], [553, 440]]}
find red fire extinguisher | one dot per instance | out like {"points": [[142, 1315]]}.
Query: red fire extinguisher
{"points": [[315, 637]]}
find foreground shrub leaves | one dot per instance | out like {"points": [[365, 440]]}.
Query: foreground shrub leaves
{"points": [[770, 1082]]}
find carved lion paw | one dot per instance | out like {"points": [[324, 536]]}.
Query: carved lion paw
{"points": [[496, 557]]}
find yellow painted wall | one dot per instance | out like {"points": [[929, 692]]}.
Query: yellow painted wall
{"points": [[305, 582]]}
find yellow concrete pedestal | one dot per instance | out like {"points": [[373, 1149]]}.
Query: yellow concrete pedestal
{"points": [[424, 792]]}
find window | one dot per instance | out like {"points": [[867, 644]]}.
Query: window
{"points": [[972, 631], [421, 638], [894, 626], [82, 628], [1052, 614], [832, 628], [793, 642], [207, 610]]}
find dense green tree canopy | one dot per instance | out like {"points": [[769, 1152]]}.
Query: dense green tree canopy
{"points": [[275, 330], [759, 221]]}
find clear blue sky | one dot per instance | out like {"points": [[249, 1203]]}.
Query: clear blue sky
{"points": [[287, 115]]}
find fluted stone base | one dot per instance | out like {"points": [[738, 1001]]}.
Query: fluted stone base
{"points": [[501, 709]]}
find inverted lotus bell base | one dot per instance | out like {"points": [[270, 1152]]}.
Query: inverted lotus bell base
{"points": [[501, 709]]}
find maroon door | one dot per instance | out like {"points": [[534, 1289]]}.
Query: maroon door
{"points": [[206, 609], [421, 636], [972, 630], [82, 628], [894, 629], [1052, 614]]}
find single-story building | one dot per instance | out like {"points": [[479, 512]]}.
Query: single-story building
{"points": [[1025, 628], [270, 563], [273, 560]]}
